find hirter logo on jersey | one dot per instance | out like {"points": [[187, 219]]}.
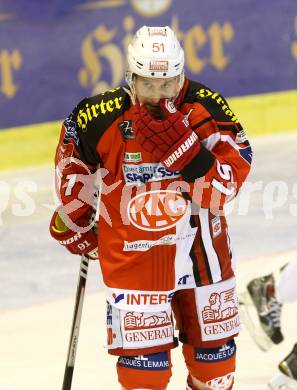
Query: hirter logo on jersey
{"points": [[156, 210]]}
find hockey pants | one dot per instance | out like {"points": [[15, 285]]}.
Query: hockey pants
{"points": [[209, 368]]}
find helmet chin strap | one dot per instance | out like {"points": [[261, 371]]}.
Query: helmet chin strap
{"points": [[132, 91]]}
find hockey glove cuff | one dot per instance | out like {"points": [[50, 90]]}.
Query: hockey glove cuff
{"points": [[78, 243], [182, 152]]}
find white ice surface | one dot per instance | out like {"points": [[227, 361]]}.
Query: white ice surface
{"points": [[38, 280]]}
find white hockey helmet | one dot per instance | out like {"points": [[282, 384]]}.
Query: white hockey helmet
{"points": [[155, 52]]}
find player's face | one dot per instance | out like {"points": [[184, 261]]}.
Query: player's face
{"points": [[149, 91]]}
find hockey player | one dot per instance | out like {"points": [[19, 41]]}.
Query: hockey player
{"points": [[172, 154], [267, 294]]}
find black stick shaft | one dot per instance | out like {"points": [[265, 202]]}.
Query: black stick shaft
{"points": [[80, 293]]}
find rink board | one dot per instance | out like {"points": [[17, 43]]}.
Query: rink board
{"points": [[263, 114]]}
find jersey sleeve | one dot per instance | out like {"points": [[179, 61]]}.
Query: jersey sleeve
{"points": [[216, 174], [76, 161], [77, 158]]}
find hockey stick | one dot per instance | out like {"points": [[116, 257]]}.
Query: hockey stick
{"points": [[80, 293], [79, 299]]}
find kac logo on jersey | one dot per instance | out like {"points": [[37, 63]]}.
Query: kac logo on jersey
{"points": [[156, 210]]}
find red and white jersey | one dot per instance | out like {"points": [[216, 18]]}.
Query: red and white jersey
{"points": [[158, 231]]}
